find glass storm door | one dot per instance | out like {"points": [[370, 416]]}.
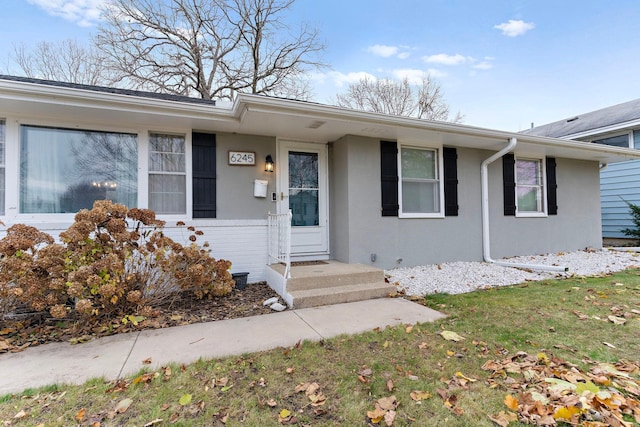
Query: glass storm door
{"points": [[304, 190]]}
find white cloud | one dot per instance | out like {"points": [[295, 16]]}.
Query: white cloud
{"points": [[389, 51], [433, 72], [416, 75], [85, 13], [444, 59], [383, 50], [341, 79], [485, 64], [412, 75], [515, 28]]}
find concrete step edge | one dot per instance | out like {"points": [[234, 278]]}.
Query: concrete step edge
{"points": [[337, 280], [307, 299], [342, 289]]}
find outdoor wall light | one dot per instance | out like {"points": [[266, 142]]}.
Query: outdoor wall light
{"points": [[268, 166]]}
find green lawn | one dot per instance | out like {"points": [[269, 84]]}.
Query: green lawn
{"points": [[410, 375]]}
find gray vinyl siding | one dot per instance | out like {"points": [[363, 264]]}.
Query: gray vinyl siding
{"points": [[619, 182]]}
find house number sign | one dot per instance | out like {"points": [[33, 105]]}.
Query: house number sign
{"points": [[242, 158]]}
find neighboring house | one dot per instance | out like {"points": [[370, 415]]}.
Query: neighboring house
{"points": [[617, 126], [379, 190]]}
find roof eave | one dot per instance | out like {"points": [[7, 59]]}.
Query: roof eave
{"points": [[246, 102], [83, 97], [234, 116]]}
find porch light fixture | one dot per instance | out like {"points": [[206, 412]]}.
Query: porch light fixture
{"points": [[268, 166]]}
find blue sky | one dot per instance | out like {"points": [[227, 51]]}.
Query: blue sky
{"points": [[502, 64]]}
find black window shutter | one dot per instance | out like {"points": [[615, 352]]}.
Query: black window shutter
{"points": [[509, 184], [450, 164], [204, 175], [552, 186], [389, 175]]}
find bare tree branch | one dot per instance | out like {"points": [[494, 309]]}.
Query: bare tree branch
{"points": [[66, 61], [208, 48], [398, 98], [278, 58]]}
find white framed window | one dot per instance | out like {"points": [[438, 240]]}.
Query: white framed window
{"points": [[624, 140], [530, 187], [420, 184], [3, 138], [66, 170], [167, 173]]}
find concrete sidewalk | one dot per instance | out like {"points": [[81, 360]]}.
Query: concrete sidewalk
{"points": [[121, 355]]}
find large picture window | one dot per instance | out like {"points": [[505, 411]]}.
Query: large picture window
{"points": [[65, 170], [167, 174], [419, 182], [529, 186]]}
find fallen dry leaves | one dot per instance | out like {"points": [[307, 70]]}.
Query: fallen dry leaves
{"points": [[312, 391], [419, 395], [316, 400], [384, 410], [545, 389], [31, 331], [451, 336]]}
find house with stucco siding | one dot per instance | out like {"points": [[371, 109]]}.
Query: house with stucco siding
{"points": [[270, 181]]}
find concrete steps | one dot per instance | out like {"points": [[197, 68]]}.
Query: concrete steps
{"points": [[340, 294], [333, 282]]}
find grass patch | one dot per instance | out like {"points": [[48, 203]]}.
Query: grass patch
{"points": [[340, 380]]}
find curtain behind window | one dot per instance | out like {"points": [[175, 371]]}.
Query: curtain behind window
{"points": [[167, 174], [65, 170]]}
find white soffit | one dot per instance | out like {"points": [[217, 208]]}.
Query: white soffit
{"points": [[295, 123], [260, 115]]}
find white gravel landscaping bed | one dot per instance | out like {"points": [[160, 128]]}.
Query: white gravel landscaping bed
{"points": [[460, 277]]}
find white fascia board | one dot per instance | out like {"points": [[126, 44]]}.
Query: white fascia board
{"points": [[56, 95], [278, 105], [626, 153], [259, 103]]}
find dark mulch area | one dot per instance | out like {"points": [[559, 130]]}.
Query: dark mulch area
{"points": [[36, 329]]}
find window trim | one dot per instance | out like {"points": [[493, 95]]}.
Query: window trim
{"points": [[15, 132], [58, 220], [543, 178], [440, 180], [187, 173], [3, 167], [629, 134]]}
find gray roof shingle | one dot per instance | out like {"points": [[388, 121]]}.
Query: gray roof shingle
{"points": [[127, 92], [616, 114]]}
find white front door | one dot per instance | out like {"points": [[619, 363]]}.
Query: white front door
{"points": [[302, 182]]}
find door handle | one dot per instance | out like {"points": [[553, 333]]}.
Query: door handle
{"points": [[282, 196]]}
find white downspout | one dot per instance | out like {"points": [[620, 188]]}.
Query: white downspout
{"points": [[486, 241]]}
